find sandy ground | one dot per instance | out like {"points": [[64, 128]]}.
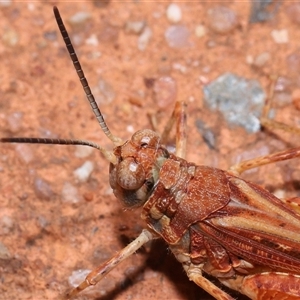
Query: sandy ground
{"points": [[44, 236]]}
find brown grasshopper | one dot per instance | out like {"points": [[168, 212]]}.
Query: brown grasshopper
{"points": [[213, 221]]}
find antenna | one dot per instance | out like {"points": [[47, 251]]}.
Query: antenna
{"points": [[117, 141]]}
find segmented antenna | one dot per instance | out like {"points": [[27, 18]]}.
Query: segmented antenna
{"points": [[29, 140], [109, 155], [117, 141]]}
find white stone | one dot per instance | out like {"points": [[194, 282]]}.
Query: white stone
{"points": [[261, 59], [135, 26], [249, 59], [70, 193], [130, 129], [4, 252], [144, 38], [92, 40], [280, 36], [200, 31], [10, 37], [79, 18], [77, 277], [177, 36], [174, 14], [83, 173]]}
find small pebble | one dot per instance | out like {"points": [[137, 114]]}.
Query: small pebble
{"points": [[79, 18], [135, 27], [77, 277], [179, 67], [70, 193], [293, 12], [261, 59], [283, 84], [6, 224], [279, 193], [4, 253], [10, 37], [24, 152], [200, 31], [174, 13], [238, 99], [144, 39], [83, 173], [137, 98], [249, 59], [83, 151], [280, 36], [14, 121], [88, 196], [263, 10], [92, 40], [177, 36], [165, 91], [43, 189], [31, 6], [130, 129], [221, 19]]}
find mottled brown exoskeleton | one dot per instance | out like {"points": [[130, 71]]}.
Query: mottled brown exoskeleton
{"points": [[213, 221]]}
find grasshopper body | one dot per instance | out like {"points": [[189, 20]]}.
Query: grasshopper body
{"points": [[213, 221]]}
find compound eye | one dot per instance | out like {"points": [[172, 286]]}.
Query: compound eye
{"points": [[145, 138], [130, 175]]}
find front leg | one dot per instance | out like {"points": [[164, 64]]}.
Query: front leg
{"points": [[98, 273]]}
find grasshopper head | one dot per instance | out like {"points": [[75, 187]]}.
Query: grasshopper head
{"points": [[139, 160]]}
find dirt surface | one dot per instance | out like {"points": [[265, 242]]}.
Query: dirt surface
{"points": [[46, 235]]}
